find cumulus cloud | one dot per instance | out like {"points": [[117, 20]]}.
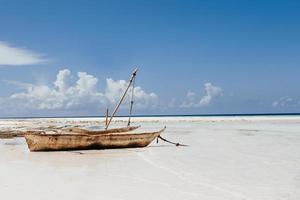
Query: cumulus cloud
{"points": [[285, 101], [114, 89], [62, 80], [83, 94], [211, 93], [10, 55]]}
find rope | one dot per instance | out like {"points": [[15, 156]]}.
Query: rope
{"points": [[131, 101], [163, 139], [122, 98]]}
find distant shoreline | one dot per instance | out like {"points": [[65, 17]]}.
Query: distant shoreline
{"points": [[191, 115]]}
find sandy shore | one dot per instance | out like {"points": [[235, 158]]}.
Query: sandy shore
{"points": [[228, 158]]}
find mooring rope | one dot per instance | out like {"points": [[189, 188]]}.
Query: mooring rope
{"points": [[165, 140]]}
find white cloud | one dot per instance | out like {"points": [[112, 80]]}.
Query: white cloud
{"points": [[211, 93], [114, 89], [62, 80], [83, 94], [10, 55], [142, 99], [285, 101], [145, 99]]}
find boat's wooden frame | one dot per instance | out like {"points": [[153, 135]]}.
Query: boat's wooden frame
{"points": [[71, 141], [10, 134], [96, 132]]}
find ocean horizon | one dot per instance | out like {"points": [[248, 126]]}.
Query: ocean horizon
{"points": [[166, 115]]}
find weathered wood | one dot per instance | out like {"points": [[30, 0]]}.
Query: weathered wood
{"points": [[95, 132], [61, 142], [10, 134], [122, 98]]}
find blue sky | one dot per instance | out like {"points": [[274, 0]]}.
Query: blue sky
{"points": [[195, 57]]}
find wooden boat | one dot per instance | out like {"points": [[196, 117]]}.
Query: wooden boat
{"points": [[96, 132], [10, 134], [71, 141], [81, 139]]}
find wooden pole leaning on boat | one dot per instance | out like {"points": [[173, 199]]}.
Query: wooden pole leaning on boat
{"points": [[122, 98]]}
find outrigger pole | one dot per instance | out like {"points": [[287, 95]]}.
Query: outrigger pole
{"points": [[122, 98]]}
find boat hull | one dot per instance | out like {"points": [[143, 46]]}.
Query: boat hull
{"points": [[64, 142], [96, 132], [10, 134]]}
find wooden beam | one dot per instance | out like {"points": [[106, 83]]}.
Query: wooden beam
{"points": [[122, 98]]}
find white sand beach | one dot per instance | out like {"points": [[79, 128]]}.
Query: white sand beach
{"points": [[228, 158]]}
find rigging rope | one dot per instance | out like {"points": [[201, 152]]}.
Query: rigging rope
{"points": [[131, 101]]}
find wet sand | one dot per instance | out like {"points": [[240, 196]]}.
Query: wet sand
{"points": [[228, 158]]}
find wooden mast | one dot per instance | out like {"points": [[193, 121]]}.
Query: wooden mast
{"points": [[122, 98]]}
